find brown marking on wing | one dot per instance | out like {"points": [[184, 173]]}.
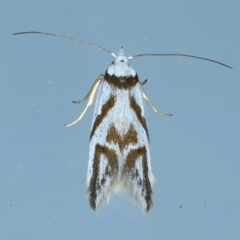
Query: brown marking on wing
{"points": [[121, 82], [105, 109], [138, 111], [130, 137], [130, 171], [96, 185]]}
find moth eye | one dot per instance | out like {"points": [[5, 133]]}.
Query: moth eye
{"points": [[113, 62]]}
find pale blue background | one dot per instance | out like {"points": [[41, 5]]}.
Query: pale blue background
{"points": [[195, 154]]}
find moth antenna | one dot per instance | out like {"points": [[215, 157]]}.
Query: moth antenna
{"points": [[70, 38], [176, 54]]}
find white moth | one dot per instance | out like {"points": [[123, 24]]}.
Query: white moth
{"points": [[119, 155]]}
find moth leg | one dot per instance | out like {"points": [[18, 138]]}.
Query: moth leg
{"points": [[90, 97], [144, 82], [150, 104]]}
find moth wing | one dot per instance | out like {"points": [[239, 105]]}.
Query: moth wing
{"points": [[137, 173], [103, 160], [119, 156]]}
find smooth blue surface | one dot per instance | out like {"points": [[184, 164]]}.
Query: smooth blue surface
{"points": [[195, 154]]}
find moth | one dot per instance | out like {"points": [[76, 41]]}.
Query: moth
{"points": [[119, 155]]}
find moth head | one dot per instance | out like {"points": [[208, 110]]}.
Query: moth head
{"points": [[121, 66], [121, 58]]}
